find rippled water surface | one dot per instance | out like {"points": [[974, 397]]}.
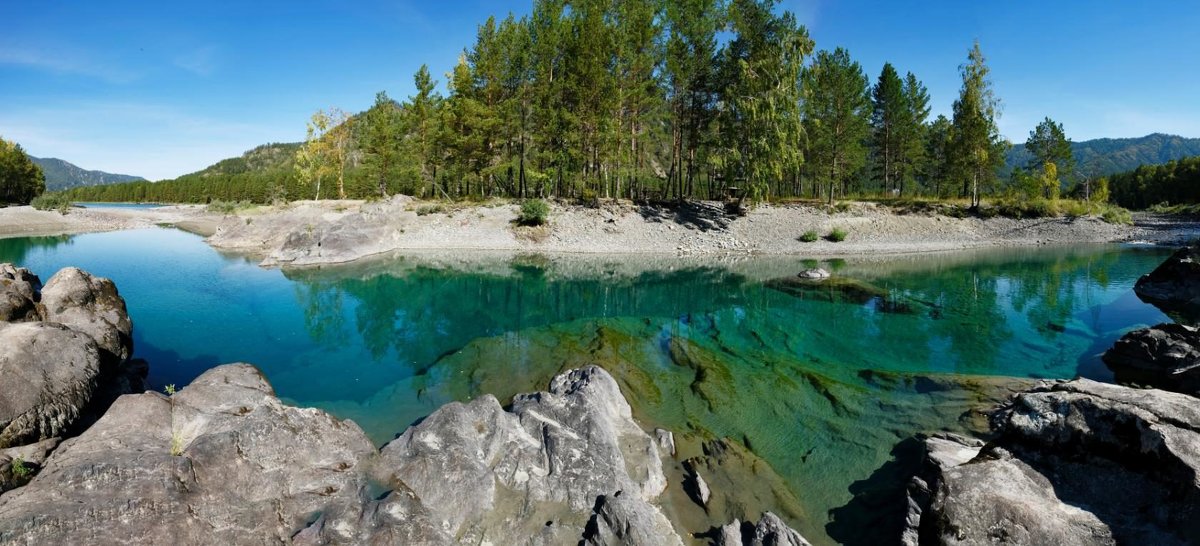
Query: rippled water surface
{"points": [[818, 386]]}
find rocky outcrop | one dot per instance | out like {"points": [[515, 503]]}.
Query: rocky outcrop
{"points": [[19, 292], [220, 462], [769, 531], [1166, 356], [64, 353], [503, 476], [1175, 284], [223, 461], [1076, 462]]}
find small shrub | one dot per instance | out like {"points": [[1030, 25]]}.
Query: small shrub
{"points": [[20, 470], [1116, 215], [425, 210], [837, 235], [227, 207], [52, 201], [809, 236], [169, 389], [534, 212], [176, 444]]}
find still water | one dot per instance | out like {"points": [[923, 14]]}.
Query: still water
{"points": [[821, 386]]}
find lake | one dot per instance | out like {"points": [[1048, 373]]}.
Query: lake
{"points": [[824, 384]]}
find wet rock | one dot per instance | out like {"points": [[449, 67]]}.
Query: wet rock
{"points": [[1174, 285], [221, 462], [48, 376], [19, 294], [814, 274], [91, 305], [770, 531], [497, 476], [1165, 356], [1076, 462]]}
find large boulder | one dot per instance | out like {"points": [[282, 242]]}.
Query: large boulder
{"points": [[1076, 462], [1166, 356], [221, 462], [535, 473], [1174, 285], [19, 294], [769, 531], [91, 305], [48, 377]]}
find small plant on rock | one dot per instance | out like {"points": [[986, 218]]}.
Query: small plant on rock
{"points": [[169, 389], [176, 444], [20, 470]]}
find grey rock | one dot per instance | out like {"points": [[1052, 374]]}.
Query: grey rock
{"points": [[1175, 284], [91, 305], [628, 521], [666, 441], [499, 476], [48, 376], [1166, 356], [1076, 462], [19, 294], [220, 462], [815, 274], [942, 452], [769, 531], [694, 484]]}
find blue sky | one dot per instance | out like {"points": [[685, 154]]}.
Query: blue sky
{"points": [[159, 89]]}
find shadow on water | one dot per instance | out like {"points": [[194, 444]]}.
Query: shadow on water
{"points": [[169, 367], [876, 513]]}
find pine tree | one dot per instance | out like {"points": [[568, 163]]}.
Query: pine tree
{"points": [[422, 123], [691, 53], [381, 141], [1048, 143], [888, 110], [638, 87], [976, 146], [912, 159], [837, 106], [938, 138]]}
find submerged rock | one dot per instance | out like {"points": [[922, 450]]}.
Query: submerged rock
{"points": [[814, 274], [1174, 286], [1166, 356], [842, 290], [1076, 462]]}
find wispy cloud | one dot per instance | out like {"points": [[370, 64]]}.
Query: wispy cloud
{"points": [[60, 60], [201, 61]]}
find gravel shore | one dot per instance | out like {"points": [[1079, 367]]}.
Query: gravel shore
{"points": [[310, 233]]}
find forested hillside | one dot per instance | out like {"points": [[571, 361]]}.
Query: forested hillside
{"points": [[1173, 183], [645, 100], [1107, 156], [61, 175]]}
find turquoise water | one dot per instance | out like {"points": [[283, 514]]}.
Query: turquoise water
{"points": [[823, 385]]}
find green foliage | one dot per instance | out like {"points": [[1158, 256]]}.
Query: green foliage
{"points": [[1108, 156], [534, 212], [1048, 145], [169, 389], [176, 444], [1176, 182], [425, 210], [836, 108], [1116, 215], [228, 207], [20, 178], [809, 236], [837, 235], [52, 201], [976, 149], [20, 469]]}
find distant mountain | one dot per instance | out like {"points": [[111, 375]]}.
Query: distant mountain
{"points": [[61, 175], [1107, 156], [267, 157]]}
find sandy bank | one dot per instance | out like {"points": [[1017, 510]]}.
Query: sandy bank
{"points": [[318, 233], [29, 222]]}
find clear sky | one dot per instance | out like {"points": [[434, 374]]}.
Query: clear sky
{"points": [[159, 89]]}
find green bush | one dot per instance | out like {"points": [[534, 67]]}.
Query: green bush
{"points": [[837, 235], [20, 470], [534, 212], [52, 201], [425, 210], [227, 207], [809, 236], [1116, 215]]}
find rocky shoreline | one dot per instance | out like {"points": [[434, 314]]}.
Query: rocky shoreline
{"points": [[87, 457]]}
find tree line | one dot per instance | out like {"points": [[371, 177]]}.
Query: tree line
{"points": [[20, 178], [1172, 183], [642, 99]]}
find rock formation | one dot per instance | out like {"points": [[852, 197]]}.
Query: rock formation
{"points": [[1076, 462], [1174, 285], [1166, 356]]}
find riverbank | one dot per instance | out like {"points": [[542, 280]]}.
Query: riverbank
{"points": [[309, 233]]}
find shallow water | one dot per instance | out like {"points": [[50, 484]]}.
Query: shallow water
{"points": [[88, 205], [823, 385]]}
